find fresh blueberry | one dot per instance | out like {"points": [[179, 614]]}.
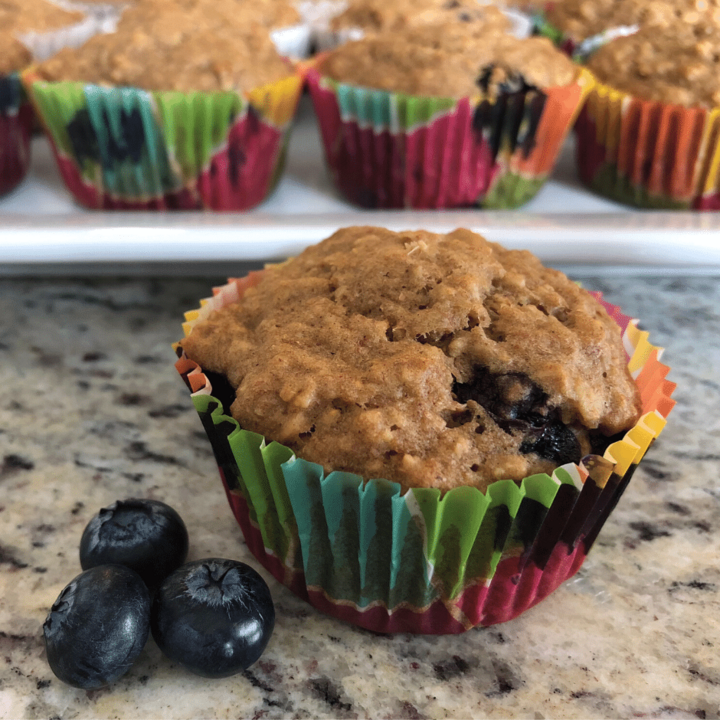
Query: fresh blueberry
{"points": [[214, 617], [97, 627], [145, 535]]}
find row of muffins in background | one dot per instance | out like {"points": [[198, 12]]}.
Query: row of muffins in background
{"points": [[435, 103]]}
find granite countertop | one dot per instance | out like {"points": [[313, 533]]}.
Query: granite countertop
{"points": [[92, 411]]}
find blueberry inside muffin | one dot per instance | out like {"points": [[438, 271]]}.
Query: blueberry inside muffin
{"points": [[431, 360]]}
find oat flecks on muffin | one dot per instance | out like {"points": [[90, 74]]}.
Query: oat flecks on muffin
{"points": [[682, 68], [448, 61], [158, 47], [13, 54], [374, 16], [21, 16], [430, 360], [580, 19]]}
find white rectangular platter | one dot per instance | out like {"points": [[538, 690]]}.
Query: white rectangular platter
{"points": [[41, 226]]}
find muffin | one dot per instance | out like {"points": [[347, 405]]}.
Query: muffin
{"points": [[646, 137], [444, 116], [420, 432], [174, 110]]}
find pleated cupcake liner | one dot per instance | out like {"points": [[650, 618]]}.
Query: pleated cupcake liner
{"points": [[649, 154], [16, 125], [390, 150], [419, 561], [126, 148]]}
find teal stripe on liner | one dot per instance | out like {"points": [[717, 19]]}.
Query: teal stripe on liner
{"points": [[132, 167]]}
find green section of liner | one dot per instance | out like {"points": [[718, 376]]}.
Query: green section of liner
{"points": [[511, 190], [542, 26], [139, 144], [196, 124], [385, 110], [616, 186], [366, 543]]}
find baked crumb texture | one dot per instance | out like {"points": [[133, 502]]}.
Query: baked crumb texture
{"points": [[576, 20], [183, 45], [648, 134], [395, 347], [429, 360]]}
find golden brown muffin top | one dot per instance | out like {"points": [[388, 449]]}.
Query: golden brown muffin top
{"points": [[156, 47], [682, 68], [13, 54], [273, 14], [580, 19], [431, 360], [448, 61], [382, 15], [21, 16]]}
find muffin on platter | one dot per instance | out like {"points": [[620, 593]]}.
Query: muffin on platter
{"points": [[444, 116], [420, 432], [647, 135], [172, 110]]}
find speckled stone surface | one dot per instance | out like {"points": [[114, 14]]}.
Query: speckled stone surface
{"points": [[92, 411]]}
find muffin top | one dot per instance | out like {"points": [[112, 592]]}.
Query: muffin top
{"points": [[21, 16], [236, 13], [13, 54], [682, 68], [374, 16], [449, 61], [580, 19], [430, 360], [156, 47]]}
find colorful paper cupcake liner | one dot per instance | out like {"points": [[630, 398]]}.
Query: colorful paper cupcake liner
{"points": [[649, 154], [389, 150], [419, 562], [125, 148], [16, 125]]}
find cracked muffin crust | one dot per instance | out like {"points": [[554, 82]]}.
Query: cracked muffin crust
{"points": [[430, 360], [581, 19], [449, 60], [679, 69], [374, 16], [157, 47]]}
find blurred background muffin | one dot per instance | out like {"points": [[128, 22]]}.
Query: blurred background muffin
{"points": [[185, 105], [452, 115], [647, 136]]}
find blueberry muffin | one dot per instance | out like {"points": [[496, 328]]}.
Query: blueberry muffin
{"points": [[429, 360]]}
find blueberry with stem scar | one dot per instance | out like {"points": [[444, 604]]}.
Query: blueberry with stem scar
{"points": [[98, 626], [147, 536], [213, 616]]}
